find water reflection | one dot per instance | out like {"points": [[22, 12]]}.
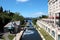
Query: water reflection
{"points": [[31, 33], [28, 32]]}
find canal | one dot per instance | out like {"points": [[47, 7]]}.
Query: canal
{"points": [[30, 33]]}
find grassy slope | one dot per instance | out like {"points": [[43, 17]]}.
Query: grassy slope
{"points": [[11, 37], [45, 34]]}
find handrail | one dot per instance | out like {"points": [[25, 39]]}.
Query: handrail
{"points": [[18, 35]]}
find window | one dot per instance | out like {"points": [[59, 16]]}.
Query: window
{"points": [[53, 33], [59, 2], [59, 19], [50, 14], [56, 6], [48, 30], [59, 5], [48, 0], [58, 37], [54, 1]]}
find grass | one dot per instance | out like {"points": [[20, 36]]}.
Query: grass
{"points": [[3, 38], [11, 37], [22, 25], [45, 34]]}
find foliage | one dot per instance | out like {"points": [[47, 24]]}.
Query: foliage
{"points": [[34, 20], [44, 16], [45, 34], [3, 38], [7, 16], [40, 17], [17, 17], [1, 9]]}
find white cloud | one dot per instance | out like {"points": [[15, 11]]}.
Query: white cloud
{"points": [[37, 14], [22, 0]]}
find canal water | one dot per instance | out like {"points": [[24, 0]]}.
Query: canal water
{"points": [[31, 33]]}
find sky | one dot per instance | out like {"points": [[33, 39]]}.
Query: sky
{"points": [[27, 8]]}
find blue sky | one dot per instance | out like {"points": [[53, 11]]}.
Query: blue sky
{"points": [[27, 8]]}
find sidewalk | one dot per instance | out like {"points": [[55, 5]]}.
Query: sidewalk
{"points": [[6, 36], [18, 35]]}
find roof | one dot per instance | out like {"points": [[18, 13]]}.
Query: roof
{"points": [[11, 24], [17, 22]]}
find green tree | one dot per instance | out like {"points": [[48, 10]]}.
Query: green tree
{"points": [[44, 16], [34, 20], [1, 9], [17, 17], [6, 16]]}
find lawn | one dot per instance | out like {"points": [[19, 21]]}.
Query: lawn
{"points": [[3, 38], [11, 37], [45, 34]]}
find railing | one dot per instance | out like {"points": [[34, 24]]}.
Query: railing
{"points": [[18, 35]]}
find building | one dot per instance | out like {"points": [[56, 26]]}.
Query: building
{"points": [[52, 24], [54, 9], [11, 25]]}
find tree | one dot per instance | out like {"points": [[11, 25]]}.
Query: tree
{"points": [[1, 9], [34, 20], [44, 16], [40, 17], [6, 16], [17, 17], [5, 11]]}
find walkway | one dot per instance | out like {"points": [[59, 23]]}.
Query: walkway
{"points": [[6, 36], [18, 35]]}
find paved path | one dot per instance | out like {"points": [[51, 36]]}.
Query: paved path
{"points": [[18, 35], [6, 36], [1, 39]]}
